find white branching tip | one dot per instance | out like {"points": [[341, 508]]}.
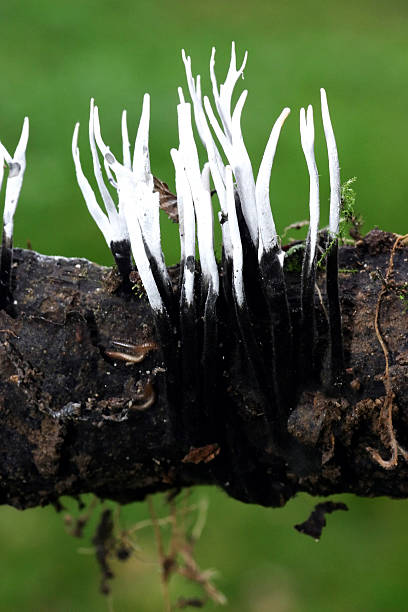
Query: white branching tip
{"points": [[224, 97], [94, 209], [194, 88], [238, 158], [237, 255], [268, 238], [216, 164], [307, 139], [137, 210], [17, 166], [138, 205], [5, 154], [103, 190], [230, 137], [334, 167], [254, 198]]}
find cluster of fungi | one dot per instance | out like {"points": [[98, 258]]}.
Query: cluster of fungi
{"points": [[243, 328]]}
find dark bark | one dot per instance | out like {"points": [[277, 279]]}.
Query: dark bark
{"points": [[90, 401]]}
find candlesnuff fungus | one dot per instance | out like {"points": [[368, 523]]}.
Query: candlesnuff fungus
{"points": [[243, 332], [218, 305], [16, 165]]}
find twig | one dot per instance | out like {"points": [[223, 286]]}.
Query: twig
{"points": [[387, 407], [162, 556]]}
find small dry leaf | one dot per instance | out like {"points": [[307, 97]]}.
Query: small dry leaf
{"points": [[202, 454], [168, 201]]}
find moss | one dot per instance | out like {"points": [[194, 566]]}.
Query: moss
{"points": [[403, 295], [294, 257], [350, 222], [138, 289], [348, 270]]}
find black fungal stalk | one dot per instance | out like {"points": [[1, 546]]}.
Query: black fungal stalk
{"points": [[121, 251], [306, 353], [307, 333], [6, 262], [333, 300], [284, 365], [16, 166], [224, 374], [332, 267], [236, 312]]}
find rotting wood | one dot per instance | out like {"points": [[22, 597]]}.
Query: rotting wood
{"points": [[75, 419]]}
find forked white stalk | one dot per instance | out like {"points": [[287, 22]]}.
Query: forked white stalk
{"points": [[234, 148], [307, 139], [254, 198], [136, 197], [230, 137], [135, 218], [100, 218], [109, 204], [334, 168], [223, 97], [136, 213], [17, 166], [216, 164]]}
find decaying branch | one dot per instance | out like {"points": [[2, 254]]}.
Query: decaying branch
{"points": [[265, 373], [84, 402]]}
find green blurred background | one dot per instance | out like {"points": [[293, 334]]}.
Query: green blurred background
{"points": [[53, 58]]}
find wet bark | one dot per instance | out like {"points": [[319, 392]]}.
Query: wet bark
{"points": [[85, 403]]}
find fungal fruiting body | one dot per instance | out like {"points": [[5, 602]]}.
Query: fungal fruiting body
{"points": [[238, 306], [332, 283], [16, 167], [216, 302]]}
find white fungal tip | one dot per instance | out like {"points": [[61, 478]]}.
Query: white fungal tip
{"points": [[334, 167], [285, 113], [5, 153], [17, 165], [22, 144], [75, 150], [181, 95]]}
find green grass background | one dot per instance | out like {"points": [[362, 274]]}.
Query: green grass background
{"points": [[53, 57]]}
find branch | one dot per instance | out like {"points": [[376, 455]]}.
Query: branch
{"points": [[85, 404], [263, 374]]}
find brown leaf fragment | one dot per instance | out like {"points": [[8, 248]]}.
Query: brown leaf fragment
{"points": [[314, 525], [168, 201], [202, 454]]}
